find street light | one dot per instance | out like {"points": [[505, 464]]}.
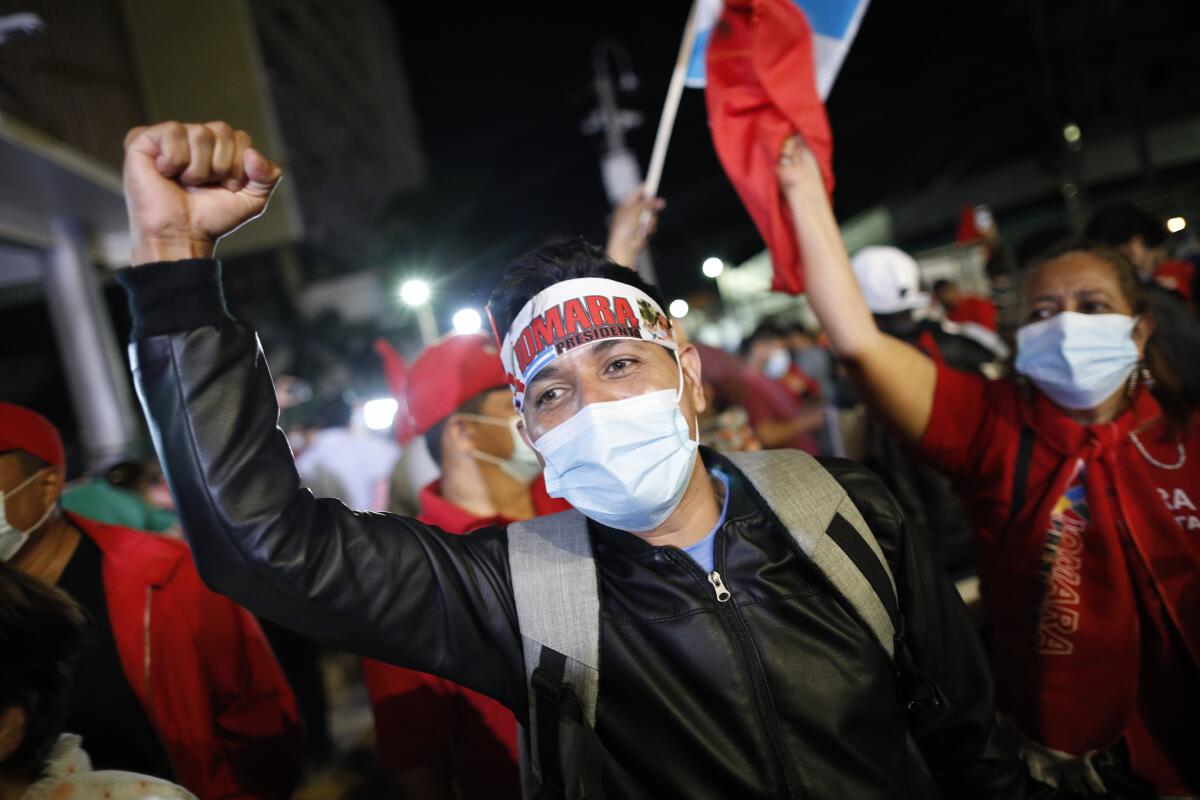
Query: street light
{"points": [[712, 267], [467, 320], [678, 308], [1176, 224], [414, 292], [379, 414]]}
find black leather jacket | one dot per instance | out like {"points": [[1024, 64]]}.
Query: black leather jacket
{"points": [[780, 693]]}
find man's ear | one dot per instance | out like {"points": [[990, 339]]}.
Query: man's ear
{"points": [[458, 436], [689, 359], [50, 484], [12, 730]]}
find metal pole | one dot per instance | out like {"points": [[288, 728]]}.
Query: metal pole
{"points": [[95, 371], [427, 323]]}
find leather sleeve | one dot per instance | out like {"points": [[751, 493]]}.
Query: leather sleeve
{"points": [[962, 744], [383, 586]]}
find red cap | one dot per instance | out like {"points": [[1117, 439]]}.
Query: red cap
{"points": [[449, 374], [31, 433]]}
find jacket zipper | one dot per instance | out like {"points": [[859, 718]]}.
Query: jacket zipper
{"points": [[733, 621], [718, 585]]}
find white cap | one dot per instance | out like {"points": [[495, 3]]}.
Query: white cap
{"points": [[890, 280]]}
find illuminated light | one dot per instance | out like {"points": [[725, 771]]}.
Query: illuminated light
{"points": [[414, 292], [712, 267], [1072, 133], [467, 321], [678, 308], [379, 414], [1176, 224]]}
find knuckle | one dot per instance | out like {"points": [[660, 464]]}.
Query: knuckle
{"points": [[201, 134]]}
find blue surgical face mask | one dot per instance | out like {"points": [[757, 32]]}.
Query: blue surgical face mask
{"points": [[624, 463], [1078, 360]]}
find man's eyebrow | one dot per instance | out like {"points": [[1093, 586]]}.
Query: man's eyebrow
{"points": [[545, 373]]}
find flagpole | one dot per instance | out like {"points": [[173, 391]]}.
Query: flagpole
{"points": [[666, 123]]}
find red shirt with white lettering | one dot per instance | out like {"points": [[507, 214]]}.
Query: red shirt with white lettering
{"points": [[974, 436]]}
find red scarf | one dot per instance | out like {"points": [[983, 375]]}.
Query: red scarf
{"points": [[1063, 605]]}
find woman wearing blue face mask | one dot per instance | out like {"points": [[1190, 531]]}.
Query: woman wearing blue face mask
{"points": [[1082, 478]]}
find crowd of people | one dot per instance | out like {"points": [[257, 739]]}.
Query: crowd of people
{"points": [[617, 568]]}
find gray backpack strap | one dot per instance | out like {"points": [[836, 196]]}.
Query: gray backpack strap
{"points": [[828, 528], [558, 610]]}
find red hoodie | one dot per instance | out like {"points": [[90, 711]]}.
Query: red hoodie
{"points": [[201, 668], [418, 717]]}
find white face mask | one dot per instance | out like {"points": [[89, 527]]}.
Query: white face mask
{"points": [[778, 363], [13, 539], [1078, 360], [623, 463], [523, 465]]}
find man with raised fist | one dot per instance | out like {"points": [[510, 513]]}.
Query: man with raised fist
{"points": [[754, 626]]}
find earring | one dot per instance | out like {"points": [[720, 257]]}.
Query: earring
{"points": [[1147, 378]]}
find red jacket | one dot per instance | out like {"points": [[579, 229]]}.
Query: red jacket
{"points": [[418, 716], [201, 668]]}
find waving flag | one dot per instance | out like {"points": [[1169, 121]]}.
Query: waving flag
{"points": [[768, 65], [834, 24]]}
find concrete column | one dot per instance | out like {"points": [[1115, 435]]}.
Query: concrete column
{"points": [[96, 373]]}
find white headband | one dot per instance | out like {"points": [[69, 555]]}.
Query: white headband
{"points": [[574, 313]]}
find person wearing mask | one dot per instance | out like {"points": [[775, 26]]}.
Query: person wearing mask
{"points": [[41, 633], [780, 400], [1081, 476], [1143, 240], [724, 423], [696, 626], [433, 735], [179, 682], [890, 281], [964, 308]]}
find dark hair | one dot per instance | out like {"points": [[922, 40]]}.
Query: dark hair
{"points": [[433, 436], [1168, 389], [40, 632], [553, 263], [942, 283], [1035, 245], [1116, 225]]}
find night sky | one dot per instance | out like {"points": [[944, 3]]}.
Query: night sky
{"points": [[929, 88]]}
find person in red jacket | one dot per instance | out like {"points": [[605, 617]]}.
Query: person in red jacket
{"points": [[175, 681], [963, 308], [433, 735], [1082, 480]]}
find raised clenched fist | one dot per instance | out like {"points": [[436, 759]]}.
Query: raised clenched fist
{"points": [[187, 185]]}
